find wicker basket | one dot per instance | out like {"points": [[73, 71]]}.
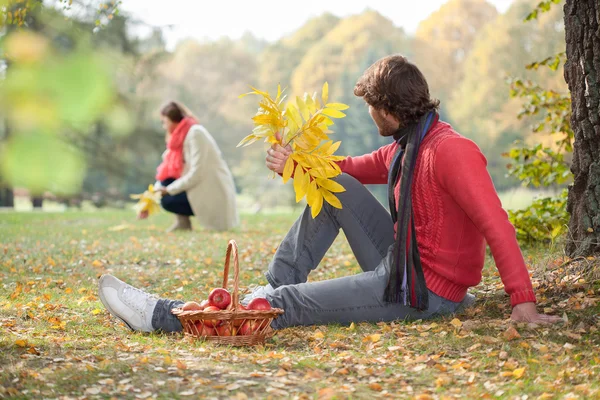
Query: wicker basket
{"points": [[194, 321]]}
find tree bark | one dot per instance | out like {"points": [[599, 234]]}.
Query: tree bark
{"points": [[582, 74]]}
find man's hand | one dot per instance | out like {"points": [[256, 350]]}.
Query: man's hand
{"points": [[527, 312], [277, 157]]}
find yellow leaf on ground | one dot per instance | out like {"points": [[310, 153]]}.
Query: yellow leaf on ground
{"points": [[456, 323], [518, 373], [97, 264], [376, 337], [21, 342]]}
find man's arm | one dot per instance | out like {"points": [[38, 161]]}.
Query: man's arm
{"points": [[369, 168], [460, 167]]}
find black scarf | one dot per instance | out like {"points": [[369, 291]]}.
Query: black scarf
{"points": [[406, 284]]}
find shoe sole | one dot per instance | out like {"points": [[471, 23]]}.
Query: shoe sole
{"points": [[110, 310]]}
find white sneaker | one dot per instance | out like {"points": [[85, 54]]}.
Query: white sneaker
{"points": [[257, 291], [131, 305]]}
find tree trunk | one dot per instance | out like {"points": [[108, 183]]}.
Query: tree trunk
{"points": [[7, 198], [582, 73]]}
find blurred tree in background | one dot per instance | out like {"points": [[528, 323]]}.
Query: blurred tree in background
{"points": [[80, 92]]}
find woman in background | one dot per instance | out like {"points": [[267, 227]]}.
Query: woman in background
{"points": [[194, 177]]}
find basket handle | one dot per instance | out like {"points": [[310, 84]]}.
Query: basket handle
{"points": [[232, 249]]}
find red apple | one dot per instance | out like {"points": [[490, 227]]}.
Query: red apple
{"points": [[219, 297], [239, 322], [212, 322], [204, 304], [259, 303], [204, 330], [251, 326], [247, 328], [226, 330], [191, 306]]}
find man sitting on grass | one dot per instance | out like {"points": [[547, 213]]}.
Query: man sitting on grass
{"points": [[417, 262]]}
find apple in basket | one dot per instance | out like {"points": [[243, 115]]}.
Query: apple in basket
{"points": [[251, 326], [238, 322], [192, 306], [212, 322], [219, 297], [259, 303], [226, 330], [204, 304], [205, 330]]}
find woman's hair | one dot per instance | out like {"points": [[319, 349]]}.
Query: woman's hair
{"points": [[176, 111], [395, 85]]}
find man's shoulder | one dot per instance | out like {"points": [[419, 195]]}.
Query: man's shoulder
{"points": [[444, 133]]}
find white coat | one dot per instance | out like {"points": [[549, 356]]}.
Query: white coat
{"points": [[207, 181]]}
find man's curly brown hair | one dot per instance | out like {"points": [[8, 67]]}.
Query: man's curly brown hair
{"points": [[395, 85]]}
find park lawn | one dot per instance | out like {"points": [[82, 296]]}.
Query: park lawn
{"points": [[57, 340]]}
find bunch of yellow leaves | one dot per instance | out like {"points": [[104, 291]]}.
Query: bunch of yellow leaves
{"points": [[305, 127], [148, 203]]}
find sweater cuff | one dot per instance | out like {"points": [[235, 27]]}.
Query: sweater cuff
{"points": [[523, 296]]}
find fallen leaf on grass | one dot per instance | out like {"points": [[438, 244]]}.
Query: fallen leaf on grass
{"points": [[511, 333], [372, 338], [456, 323], [375, 386], [518, 373]]}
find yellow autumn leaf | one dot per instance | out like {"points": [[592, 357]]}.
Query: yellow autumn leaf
{"points": [[332, 112], [374, 338], [97, 264], [330, 185], [337, 106], [325, 93], [299, 183], [304, 124], [316, 206], [21, 342], [96, 311], [310, 104], [293, 113], [311, 192], [288, 169], [318, 335], [247, 140], [303, 108], [330, 198], [456, 323], [518, 373]]}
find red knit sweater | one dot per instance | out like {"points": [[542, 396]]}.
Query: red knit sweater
{"points": [[456, 211]]}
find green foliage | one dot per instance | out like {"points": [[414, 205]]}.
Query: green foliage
{"points": [[540, 164], [542, 7], [543, 221], [543, 165]]}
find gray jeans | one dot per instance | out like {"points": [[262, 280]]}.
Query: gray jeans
{"points": [[355, 298]]}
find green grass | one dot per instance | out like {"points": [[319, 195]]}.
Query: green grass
{"points": [[57, 341]]}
